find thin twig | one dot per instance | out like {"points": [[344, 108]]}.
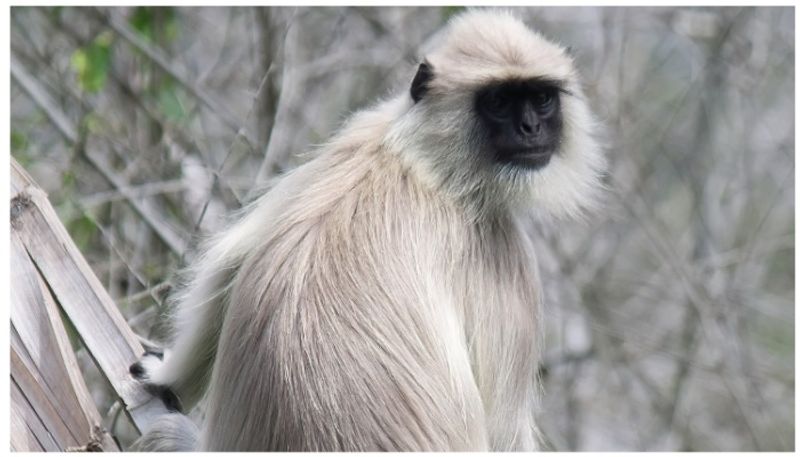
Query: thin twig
{"points": [[43, 101], [171, 238], [138, 191], [157, 56]]}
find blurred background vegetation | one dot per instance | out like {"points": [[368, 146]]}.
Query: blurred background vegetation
{"points": [[670, 317]]}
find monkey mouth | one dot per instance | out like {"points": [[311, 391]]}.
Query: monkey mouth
{"points": [[530, 158]]}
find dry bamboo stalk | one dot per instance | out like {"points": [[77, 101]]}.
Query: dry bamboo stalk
{"points": [[48, 268]]}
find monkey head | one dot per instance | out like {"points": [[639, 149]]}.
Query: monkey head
{"points": [[495, 114]]}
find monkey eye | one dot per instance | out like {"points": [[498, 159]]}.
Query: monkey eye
{"points": [[544, 99], [498, 104]]}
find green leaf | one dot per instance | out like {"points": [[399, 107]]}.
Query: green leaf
{"points": [[154, 23], [19, 141], [92, 62], [142, 21], [68, 181], [81, 229]]}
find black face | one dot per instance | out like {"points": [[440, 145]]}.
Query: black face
{"points": [[523, 120]]}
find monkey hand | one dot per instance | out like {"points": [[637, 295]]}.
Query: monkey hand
{"points": [[142, 371]]}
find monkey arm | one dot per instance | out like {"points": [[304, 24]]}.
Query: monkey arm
{"points": [[184, 369]]}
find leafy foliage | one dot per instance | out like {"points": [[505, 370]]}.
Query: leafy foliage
{"points": [[93, 62], [154, 23]]}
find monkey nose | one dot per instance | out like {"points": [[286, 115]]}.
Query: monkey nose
{"points": [[525, 128], [528, 127], [528, 124]]}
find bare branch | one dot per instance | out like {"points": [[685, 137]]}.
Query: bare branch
{"points": [[169, 236]]}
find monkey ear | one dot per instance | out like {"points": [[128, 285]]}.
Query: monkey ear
{"points": [[419, 86]]}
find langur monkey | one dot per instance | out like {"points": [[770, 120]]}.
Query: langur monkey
{"points": [[385, 295]]}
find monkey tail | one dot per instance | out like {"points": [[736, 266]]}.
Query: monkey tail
{"points": [[169, 433]]}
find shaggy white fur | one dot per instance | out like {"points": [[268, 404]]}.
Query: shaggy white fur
{"points": [[384, 296]]}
